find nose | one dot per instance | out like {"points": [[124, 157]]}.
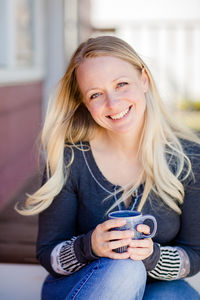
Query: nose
{"points": [[111, 100]]}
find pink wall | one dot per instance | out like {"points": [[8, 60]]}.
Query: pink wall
{"points": [[20, 122]]}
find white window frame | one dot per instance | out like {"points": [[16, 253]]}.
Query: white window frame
{"points": [[11, 73]]}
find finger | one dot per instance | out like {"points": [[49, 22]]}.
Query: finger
{"points": [[105, 226], [134, 257], [117, 244], [144, 243], [140, 252], [143, 228], [109, 246], [118, 235], [115, 255]]}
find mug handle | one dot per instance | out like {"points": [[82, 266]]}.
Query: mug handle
{"points": [[149, 217]]}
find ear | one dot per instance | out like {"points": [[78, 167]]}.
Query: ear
{"points": [[145, 80]]}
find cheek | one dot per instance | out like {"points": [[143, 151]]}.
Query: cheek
{"points": [[134, 93], [141, 103], [95, 108], [139, 97], [93, 112]]}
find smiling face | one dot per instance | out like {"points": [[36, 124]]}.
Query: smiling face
{"points": [[113, 92]]}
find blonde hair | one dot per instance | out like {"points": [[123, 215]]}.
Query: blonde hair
{"points": [[69, 122]]}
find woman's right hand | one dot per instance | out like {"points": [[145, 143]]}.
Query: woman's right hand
{"points": [[104, 240]]}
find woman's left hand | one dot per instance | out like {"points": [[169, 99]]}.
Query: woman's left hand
{"points": [[141, 249]]}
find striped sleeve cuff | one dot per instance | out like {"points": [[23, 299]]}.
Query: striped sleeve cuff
{"points": [[173, 264], [63, 258]]}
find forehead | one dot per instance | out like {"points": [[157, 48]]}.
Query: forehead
{"points": [[96, 70], [104, 62]]}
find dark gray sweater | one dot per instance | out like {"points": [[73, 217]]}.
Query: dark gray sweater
{"points": [[79, 208]]}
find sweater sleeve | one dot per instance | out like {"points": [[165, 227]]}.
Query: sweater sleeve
{"points": [[172, 264], [189, 233], [70, 256], [56, 225], [182, 257], [58, 248]]}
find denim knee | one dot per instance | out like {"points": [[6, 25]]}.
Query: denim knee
{"points": [[112, 279], [175, 289], [130, 275]]}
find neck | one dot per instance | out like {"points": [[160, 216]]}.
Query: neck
{"points": [[125, 144]]}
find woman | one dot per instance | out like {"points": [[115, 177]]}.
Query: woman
{"points": [[111, 145]]}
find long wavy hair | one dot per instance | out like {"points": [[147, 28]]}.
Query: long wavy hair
{"points": [[68, 122]]}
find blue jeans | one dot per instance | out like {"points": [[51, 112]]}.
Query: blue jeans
{"points": [[107, 279], [170, 290]]}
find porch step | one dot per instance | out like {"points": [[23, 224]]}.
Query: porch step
{"points": [[194, 281], [24, 281], [21, 281]]}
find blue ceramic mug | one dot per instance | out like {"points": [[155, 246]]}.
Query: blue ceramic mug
{"points": [[133, 219]]}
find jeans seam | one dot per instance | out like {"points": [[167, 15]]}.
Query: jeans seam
{"points": [[84, 281]]}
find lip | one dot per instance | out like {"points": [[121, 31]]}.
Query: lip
{"points": [[110, 116]]}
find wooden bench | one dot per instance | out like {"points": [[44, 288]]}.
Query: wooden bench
{"points": [[18, 233]]}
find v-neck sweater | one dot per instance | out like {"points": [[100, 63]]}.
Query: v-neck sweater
{"points": [[81, 206]]}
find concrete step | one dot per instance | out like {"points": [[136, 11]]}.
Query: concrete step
{"points": [[24, 281], [194, 281], [21, 281]]}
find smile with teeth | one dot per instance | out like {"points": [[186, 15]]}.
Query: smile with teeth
{"points": [[120, 115]]}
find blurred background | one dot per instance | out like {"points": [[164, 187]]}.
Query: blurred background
{"points": [[37, 39]]}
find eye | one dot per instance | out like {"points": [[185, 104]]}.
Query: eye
{"points": [[95, 95], [121, 84]]}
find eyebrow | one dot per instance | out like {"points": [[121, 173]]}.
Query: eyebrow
{"points": [[96, 88], [92, 89]]}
